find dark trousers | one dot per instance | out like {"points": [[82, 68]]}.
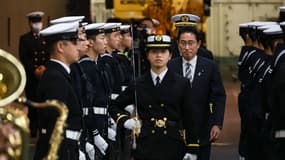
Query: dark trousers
{"points": [[124, 143], [68, 149], [278, 149], [31, 90], [33, 117], [204, 152], [100, 156], [254, 140], [243, 151], [99, 122]]}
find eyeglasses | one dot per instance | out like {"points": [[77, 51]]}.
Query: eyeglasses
{"points": [[185, 43]]}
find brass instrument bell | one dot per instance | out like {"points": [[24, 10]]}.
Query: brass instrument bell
{"points": [[12, 78]]}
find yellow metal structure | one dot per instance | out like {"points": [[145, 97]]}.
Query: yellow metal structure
{"points": [[129, 9], [161, 10]]}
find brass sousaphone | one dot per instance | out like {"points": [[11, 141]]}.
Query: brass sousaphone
{"points": [[12, 84]]}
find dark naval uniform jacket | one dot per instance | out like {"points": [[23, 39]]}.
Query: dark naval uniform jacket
{"points": [[163, 112], [277, 100], [101, 97], [126, 67], [207, 87], [116, 72], [253, 72], [253, 64], [277, 103], [56, 84], [32, 54]]}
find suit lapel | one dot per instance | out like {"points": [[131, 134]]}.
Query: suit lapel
{"points": [[199, 70]]}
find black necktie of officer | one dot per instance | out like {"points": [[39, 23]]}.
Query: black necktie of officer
{"points": [[157, 82]]}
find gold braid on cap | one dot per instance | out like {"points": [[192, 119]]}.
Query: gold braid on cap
{"points": [[158, 45], [179, 24]]}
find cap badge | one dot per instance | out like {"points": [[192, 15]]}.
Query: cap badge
{"points": [[184, 18], [158, 38]]}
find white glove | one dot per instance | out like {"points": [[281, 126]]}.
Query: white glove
{"points": [[111, 134], [81, 155], [189, 156], [241, 158], [112, 123], [90, 150], [100, 143], [130, 108], [131, 124]]}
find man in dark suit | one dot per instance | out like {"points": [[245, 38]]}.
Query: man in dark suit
{"points": [[56, 83], [33, 56], [207, 90], [163, 108]]}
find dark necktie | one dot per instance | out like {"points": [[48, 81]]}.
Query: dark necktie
{"points": [[157, 82]]}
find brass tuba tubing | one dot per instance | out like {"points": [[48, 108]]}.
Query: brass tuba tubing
{"points": [[58, 130], [18, 139]]}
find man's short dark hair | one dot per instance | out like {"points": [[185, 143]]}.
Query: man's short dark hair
{"points": [[188, 29]]}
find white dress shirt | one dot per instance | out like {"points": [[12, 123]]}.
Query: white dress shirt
{"points": [[161, 76]]}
